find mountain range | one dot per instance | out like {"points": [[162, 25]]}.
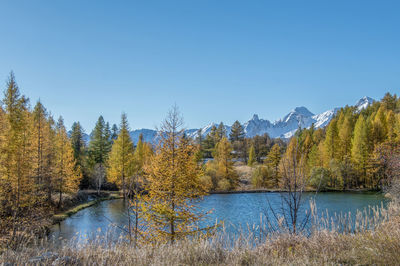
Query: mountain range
{"points": [[286, 127]]}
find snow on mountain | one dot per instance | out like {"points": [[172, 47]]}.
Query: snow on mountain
{"points": [[300, 117], [363, 103], [149, 135], [323, 119]]}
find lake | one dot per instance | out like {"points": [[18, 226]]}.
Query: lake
{"points": [[236, 210]]}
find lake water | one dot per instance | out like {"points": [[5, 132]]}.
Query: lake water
{"points": [[236, 210]]}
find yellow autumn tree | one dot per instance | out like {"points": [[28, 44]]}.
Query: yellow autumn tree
{"points": [[142, 154], [174, 185], [67, 176], [227, 177], [17, 151], [272, 161], [121, 164], [43, 156]]}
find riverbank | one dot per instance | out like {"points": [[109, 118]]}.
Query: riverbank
{"points": [[272, 190], [93, 198]]}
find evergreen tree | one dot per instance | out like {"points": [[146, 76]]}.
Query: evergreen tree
{"points": [[221, 132], [389, 101], [79, 147], [99, 145], [78, 143], [114, 132], [237, 132]]}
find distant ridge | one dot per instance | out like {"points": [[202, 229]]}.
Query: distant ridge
{"points": [[286, 127]]}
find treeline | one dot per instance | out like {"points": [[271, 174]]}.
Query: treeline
{"points": [[36, 159], [353, 151]]}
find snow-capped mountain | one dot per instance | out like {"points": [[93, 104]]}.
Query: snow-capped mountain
{"points": [[300, 117], [363, 103]]}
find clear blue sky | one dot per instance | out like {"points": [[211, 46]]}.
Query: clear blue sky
{"points": [[217, 60]]}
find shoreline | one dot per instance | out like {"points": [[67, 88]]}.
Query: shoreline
{"points": [[279, 190], [59, 217]]}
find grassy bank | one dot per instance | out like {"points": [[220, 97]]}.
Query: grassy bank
{"points": [[65, 214]]}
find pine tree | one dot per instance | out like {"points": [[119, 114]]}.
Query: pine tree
{"points": [[100, 143], [67, 177], [237, 132], [121, 161], [389, 101], [221, 132], [173, 184], [79, 147], [252, 156]]}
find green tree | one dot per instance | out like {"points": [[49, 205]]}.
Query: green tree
{"points": [[237, 132], [79, 147], [221, 131], [114, 132], [100, 143]]}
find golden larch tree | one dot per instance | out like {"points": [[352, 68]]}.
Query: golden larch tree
{"points": [[67, 177], [173, 178]]}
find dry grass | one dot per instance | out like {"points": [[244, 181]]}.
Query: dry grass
{"points": [[245, 173], [379, 246]]}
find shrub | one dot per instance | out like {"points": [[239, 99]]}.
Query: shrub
{"points": [[262, 177], [320, 177], [206, 181], [224, 184]]}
